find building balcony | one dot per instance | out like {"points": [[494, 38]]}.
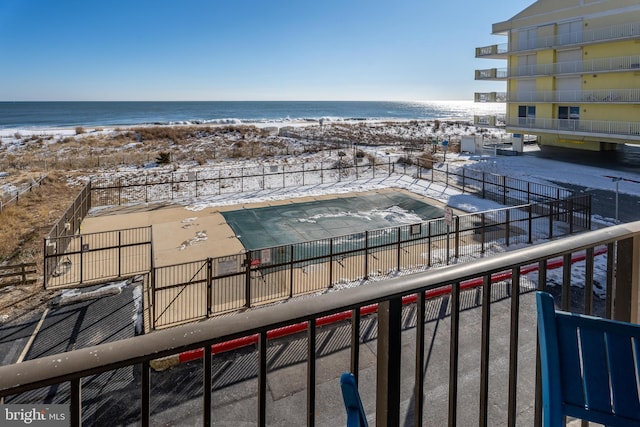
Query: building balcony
{"points": [[603, 96], [576, 127], [490, 97], [598, 35], [455, 345], [618, 64], [495, 74], [496, 51]]}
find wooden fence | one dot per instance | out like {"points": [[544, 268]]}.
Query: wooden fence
{"points": [[14, 196], [18, 274]]}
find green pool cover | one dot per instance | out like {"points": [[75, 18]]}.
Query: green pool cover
{"points": [[301, 222]]}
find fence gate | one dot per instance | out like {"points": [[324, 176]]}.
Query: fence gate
{"points": [[83, 259]]}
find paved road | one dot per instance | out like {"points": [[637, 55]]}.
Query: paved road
{"points": [[603, 203]]}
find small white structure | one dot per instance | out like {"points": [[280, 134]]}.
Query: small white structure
{"points": [[471, 144]]}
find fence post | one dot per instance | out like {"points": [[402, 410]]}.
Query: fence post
{"points": [[433, 164], [530, 212], [484, 182], [152, 279], [330, 261], [81, 257], [119, 253], [24, 273], [291, 256], [247, 284], [209, 286], [171, 185], [366, 254], [462, 180], [146, 188], [446, 180], [507, 226], [196, 184], [551, 220], [457, 238], [399, 247], [504, 189], [528, 192], [482, 232], [429, 243], [570, 202]]}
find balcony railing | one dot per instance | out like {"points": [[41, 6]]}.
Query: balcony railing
{"points": [[492, 74], [627, 130], [493, 51], [455, 345], [623, 63], [611, 33], [490, 97], [609, 96]]}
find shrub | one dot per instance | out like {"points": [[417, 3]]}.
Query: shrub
{"points": [[163, 158], [79, 130]]}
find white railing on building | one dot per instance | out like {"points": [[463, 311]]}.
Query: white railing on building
{"points": [[614, 32], [490, 97], [629, 130], [579, 96], [493, 50], [622, 63], [492, 74]]}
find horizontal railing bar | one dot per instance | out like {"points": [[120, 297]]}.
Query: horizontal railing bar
{"points": [[83, 362]]}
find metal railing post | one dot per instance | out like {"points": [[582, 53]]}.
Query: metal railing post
{"points": [[513, 346], [388, 365], [247, 283], [627, 280]]}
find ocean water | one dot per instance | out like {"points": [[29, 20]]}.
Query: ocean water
{"points": [[53, 115]]}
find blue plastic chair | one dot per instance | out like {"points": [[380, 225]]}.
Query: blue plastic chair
{"points": [[590, 367], [352, 402]]}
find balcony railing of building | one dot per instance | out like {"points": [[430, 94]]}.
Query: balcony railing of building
{"points": [[610, 33], [613, 129], [490, 97], [496, 51], [609, 96], [617, 64], [492, 74], [490, 121], [440, 370]]}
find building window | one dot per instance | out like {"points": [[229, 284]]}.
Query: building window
{"points": [[568, 117], [526, 115]]}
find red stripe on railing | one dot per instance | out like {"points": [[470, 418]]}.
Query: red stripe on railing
{"points": [[369, 309]]}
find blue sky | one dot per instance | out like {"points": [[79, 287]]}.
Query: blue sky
{"points": [[246, 49]]}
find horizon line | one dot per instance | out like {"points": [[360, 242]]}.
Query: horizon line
{"points": [[246, 100]]}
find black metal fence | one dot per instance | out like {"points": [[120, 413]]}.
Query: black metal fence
{"points": [[95, 257], [69, 222], [455, 364], [69, 266], [203, 183], [199, 289]]}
